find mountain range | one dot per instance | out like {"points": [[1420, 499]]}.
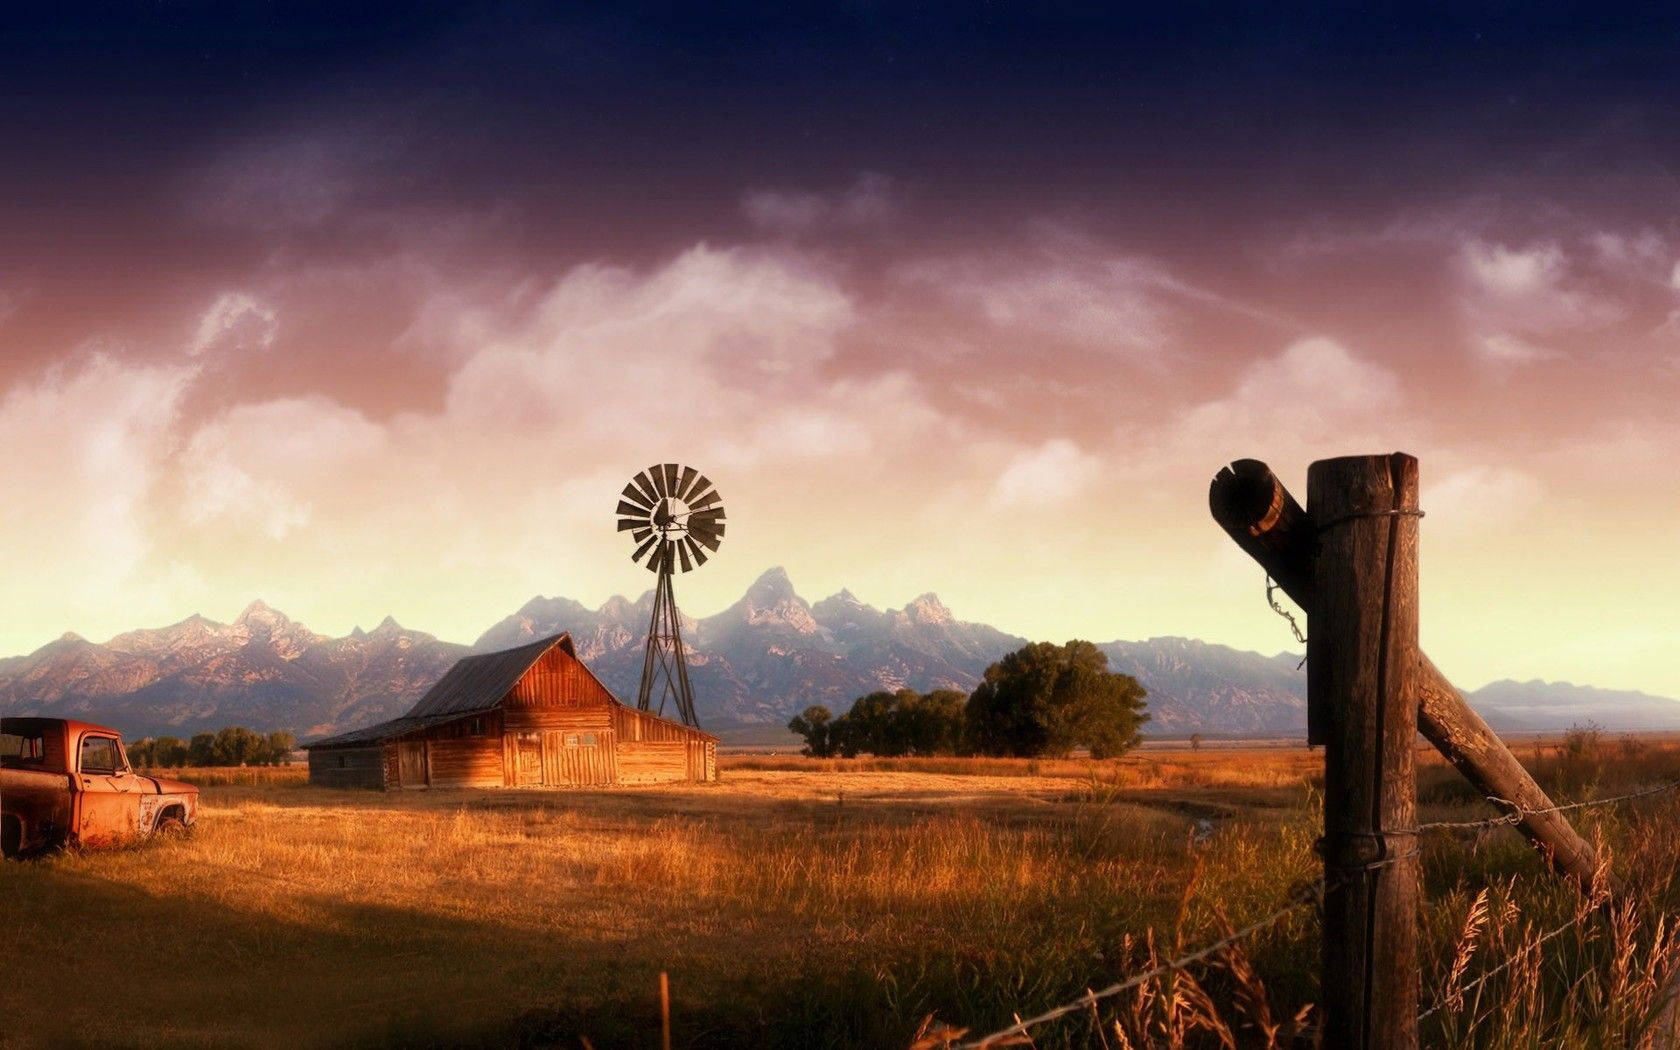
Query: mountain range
{"points": [[756, 663]]}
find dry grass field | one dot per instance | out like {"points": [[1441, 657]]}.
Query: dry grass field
{"points": [[804, 903]]}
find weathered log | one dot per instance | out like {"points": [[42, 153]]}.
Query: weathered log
{"points": [[1361, 669], [1253, 507]]}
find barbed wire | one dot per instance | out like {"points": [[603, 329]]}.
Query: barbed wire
{"points": [[1298, 900], [1516, 813], [1574, 921]]}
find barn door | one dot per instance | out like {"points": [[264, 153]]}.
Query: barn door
{"points": [[411, 764], [529, 760]]}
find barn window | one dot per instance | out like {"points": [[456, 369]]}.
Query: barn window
{"points": [[587, 740], [478, 727], [571, 740]]}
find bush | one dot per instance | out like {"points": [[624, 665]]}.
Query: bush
{"points": [[232, 746], [1046, 699]]}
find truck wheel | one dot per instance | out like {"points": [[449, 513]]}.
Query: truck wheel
{"points": [[170, 828], [11, 837]]}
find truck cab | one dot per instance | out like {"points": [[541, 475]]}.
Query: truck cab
{"points": [[69, 783]]}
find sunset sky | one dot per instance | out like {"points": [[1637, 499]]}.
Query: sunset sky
{"points": [[375, 313]]}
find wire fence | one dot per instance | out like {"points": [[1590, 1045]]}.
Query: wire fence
{"points": [[1312, 894]]}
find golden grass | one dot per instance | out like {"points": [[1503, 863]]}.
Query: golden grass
{"points": [[796, 903]]}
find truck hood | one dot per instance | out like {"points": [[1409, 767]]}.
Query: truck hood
{"points": [[165, 786]]}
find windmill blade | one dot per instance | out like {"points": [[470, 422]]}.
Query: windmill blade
{"points": [[657, 473], [687, 479], [644, 548], [705, 501], [682, 552], [641, 534], [705, 518], [708, 537], [634, 495], [641, 481], [695, 549], [670, 479], [702, 485], [630, 510], [630, 524]]}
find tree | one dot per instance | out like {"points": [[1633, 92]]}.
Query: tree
{"points": [[815, 726], [202, 750], [934, 724], [1046, 699], [278, 746]]}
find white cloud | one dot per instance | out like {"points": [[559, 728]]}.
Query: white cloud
{"points": [[870, 201], [255, 463], [86, 447], [1518, 293], [1112, 303], [1501, 349], [1314, 395], [1050, 474], [1478, 499], [235, 322]]}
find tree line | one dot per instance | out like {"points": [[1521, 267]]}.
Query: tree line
{"points": [[1041, 700], [232, 746]]}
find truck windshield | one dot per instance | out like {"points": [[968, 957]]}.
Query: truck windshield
{"points": [[99, 755], [20, 749]]}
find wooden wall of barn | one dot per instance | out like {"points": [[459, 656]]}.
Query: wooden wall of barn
{"points": [[557, 679], [652, 750], [360, 767]]}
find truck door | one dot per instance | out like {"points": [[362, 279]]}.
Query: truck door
{"points": [[108, 794]]}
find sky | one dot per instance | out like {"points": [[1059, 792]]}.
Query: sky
{"points": [[367, 310]]}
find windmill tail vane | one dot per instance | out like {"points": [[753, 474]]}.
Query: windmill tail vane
{"points": [[675, 518]]}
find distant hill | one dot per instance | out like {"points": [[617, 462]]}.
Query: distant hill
{"points": [[766, 657], [262, 670], [1536, 706]]}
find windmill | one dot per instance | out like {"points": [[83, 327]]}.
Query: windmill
{"points": [[674, 516]]}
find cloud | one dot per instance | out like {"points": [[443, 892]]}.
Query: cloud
{"points": [[1110, 302], [89, 444], [1052, 473], [871, 200], [1518, 293], [1501, 349], [255, 463], [1315, 394], [1478, 499], [235, 322]]}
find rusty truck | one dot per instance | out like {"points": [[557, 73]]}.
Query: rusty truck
{"points": [[68, 783]]}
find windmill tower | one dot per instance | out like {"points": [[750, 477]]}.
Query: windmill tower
{"points": [[674, 517]]}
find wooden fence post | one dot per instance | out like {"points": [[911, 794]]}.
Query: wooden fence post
{"points": [[1257, 511], [1362, 657]]}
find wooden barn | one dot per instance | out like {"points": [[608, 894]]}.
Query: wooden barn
{"points": [[534, 716]]}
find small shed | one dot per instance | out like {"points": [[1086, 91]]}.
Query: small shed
{"points": [[534, 716]]}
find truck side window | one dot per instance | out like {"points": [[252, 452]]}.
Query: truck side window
{"points": [[99, 754], [22, 749]]}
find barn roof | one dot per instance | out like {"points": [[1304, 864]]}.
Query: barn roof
{"points": [[478, 683], [373, 734], [475, 683]]}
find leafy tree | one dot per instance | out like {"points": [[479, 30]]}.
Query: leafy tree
{"points": [[238, 746], [815, 725], [934, 724], [201, 751], [278, 746], [876, 725], [1046, 699], [169, 752]]}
